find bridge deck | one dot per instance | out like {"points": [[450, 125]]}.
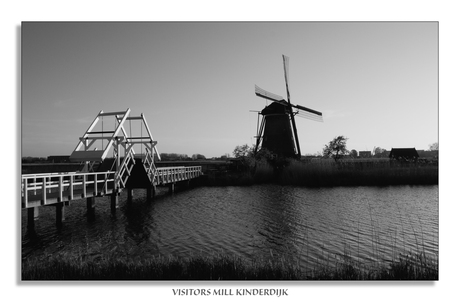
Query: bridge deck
{"points": [[52, 188]]}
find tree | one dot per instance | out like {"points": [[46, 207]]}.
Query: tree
{"points": [[434, 146], [354, 153], [198, 156], [336, 148], [242, 151], [225, 156], [378, 152]]}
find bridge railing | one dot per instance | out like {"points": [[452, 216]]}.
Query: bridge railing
{"points": [[174, 174], [49, 188], [124, 171], [64, 186], [149, 166]]}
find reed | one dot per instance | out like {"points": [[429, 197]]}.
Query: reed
{"points": [[224, 267], [221, 267], [327, 173], [357, 173]]}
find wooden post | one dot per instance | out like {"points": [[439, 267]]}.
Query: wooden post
{"points": [[60, 217], [149, 194], [171, 188], [130, 194], [32, 215], [90, 207], [114, 202]]}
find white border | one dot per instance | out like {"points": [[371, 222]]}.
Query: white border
{"points": [[239, 10]]}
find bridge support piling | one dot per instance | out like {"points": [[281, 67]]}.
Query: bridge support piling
{"points": [[171, 188], [150, 193], [32, 215], [130, 194], [60, 214], [90, 207], [114, 202]]}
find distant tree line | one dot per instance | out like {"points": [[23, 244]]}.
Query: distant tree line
{"points": [[179, 157], [337, 149], [34, 160], [174, 156]]}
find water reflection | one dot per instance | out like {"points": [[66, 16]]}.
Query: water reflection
{"points": [[307, 225]]}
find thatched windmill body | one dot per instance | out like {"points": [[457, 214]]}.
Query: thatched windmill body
{"points": [[278, 131]]}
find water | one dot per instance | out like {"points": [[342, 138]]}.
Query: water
{"points": [[308, 226]]}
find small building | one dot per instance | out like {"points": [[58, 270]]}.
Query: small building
{"points": [[365, 154], [428, 153], [59, 159], [404, 154]]}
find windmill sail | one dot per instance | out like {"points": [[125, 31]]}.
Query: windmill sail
{"points": [[286, 75], [309, 116], [308, 110], [268, 95], [308, 113]]}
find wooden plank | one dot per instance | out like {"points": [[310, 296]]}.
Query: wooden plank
{"points": [[84, 186], [25, 192], [71, 187], [95, 185], [44, 190], [60, 188], [100, 132], [113, 113]]}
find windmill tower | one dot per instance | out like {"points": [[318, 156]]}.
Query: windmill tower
{"points": [[278, 131]]}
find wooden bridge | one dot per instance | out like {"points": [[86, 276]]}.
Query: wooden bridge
{"points": [[102, 175]]}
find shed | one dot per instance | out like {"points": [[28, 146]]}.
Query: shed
{"points": [[365, 154], [407, 154]]}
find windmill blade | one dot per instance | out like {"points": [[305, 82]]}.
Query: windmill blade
{"points": [[308, 113], [307, 109], [286, 75], [260, 134], [309, 116], [268, 95]]}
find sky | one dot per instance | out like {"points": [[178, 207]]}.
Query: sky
{"points": [[376, 83]]}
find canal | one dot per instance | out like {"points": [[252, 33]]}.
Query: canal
{"points": [[309, 226]]}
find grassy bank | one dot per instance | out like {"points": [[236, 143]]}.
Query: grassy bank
{"points": [[327, 173], [221, 267]]}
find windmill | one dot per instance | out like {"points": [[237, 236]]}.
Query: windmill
{"points": [[278, 131]]}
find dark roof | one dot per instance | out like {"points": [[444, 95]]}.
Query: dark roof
{"points": [[403, 153], [275, 108]]}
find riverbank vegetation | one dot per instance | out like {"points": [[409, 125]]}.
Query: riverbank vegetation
{"points": [[223, 267], [358, 173], [326, 172]]}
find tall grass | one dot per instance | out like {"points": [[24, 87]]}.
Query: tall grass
{"points": [[220, 267], [224, 267], [328, 173], [357, 173]]}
